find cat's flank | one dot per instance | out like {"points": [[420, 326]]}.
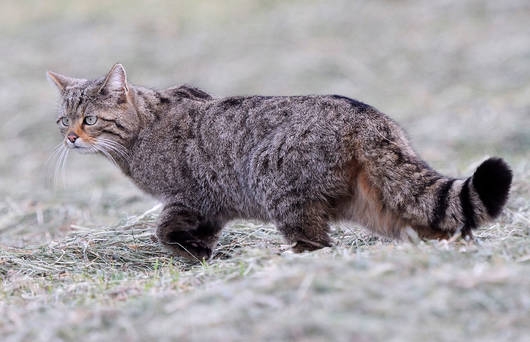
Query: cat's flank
{"points": [[301, 162]]}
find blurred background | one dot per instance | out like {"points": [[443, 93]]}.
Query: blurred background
{"points": [[455, 74]]}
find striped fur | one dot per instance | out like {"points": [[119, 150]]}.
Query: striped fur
{"points": [[301, 162]]}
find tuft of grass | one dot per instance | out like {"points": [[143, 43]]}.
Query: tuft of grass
{"points": [[120, 284], [117, 282]]}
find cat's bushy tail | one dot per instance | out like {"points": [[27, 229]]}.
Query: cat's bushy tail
{"points": [[484, 194], [396, 188], [437, 206]]}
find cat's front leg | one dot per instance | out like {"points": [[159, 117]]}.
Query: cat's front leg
{"points": [[186, 233]]}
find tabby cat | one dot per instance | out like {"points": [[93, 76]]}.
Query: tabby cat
{"points": [[300, 162]]}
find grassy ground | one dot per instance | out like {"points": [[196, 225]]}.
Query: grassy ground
{"points": [[77, 261]]}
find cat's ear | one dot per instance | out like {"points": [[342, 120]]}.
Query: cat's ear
{"points": [[116, 80], [60, 81]]}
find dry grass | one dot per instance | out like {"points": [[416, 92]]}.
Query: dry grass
{"points": [[78, 262], [116, 282]]}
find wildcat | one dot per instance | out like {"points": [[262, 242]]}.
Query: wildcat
{"points": [[300, 162]]}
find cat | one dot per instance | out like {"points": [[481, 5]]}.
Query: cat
{"points": [[300, 162]]}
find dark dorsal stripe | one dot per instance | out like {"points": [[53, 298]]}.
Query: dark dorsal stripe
{"points": [[442, 201], [191, 93], [467, 206], [353, 102]]}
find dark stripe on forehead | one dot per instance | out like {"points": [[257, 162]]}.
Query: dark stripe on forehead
{"points": [[74, 99], [80, 99], [69, 102]]}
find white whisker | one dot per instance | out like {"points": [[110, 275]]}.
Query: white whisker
{"points": [[54, 154], [51, 163], [106, 153], [57, 176], [59, 172], [111, 149], [63, 165], [107, 146], [117, 147]]}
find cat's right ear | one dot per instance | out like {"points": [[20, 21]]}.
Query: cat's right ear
{"points": [[116, 80], [60, 81]]}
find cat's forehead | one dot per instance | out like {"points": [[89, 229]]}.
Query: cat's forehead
{"points": [[72, 99], [73, 92], [78, 96]]}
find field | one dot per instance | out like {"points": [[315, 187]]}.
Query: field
{"points": [[77, 258]]}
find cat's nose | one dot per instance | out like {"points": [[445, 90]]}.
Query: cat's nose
{"points": [[72, 137]]}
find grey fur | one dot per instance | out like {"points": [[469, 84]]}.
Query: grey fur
{"points": [[300, 162]]}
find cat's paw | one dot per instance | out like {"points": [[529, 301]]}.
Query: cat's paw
{"points": [[197, 250], [303, 246], [185, 245]]}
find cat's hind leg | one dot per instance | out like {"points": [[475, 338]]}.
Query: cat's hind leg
{"points": [[186, 233], [305, 227]]}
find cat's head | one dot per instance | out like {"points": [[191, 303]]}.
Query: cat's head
{"points": [[96, 115]]}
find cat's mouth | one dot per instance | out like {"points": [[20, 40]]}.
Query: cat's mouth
{"points": [[80, 146]]}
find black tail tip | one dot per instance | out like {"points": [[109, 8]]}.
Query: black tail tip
{"points": [[492, 181]]}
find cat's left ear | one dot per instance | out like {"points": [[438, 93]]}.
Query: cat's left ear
{"points": [[116, 80], [60, 81]]}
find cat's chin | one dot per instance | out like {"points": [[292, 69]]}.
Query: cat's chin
{"points": [[83, 149]]}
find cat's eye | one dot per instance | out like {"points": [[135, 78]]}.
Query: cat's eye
{"points": [[65, 121], [90, 120]]}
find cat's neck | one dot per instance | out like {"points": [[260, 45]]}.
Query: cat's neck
{"points": [[141, 114], [146, 104], [153, 111]]}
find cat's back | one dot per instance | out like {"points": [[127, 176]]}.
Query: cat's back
{"points": [[260, 116], [239, 125], [273, 110], [241, 134]]}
